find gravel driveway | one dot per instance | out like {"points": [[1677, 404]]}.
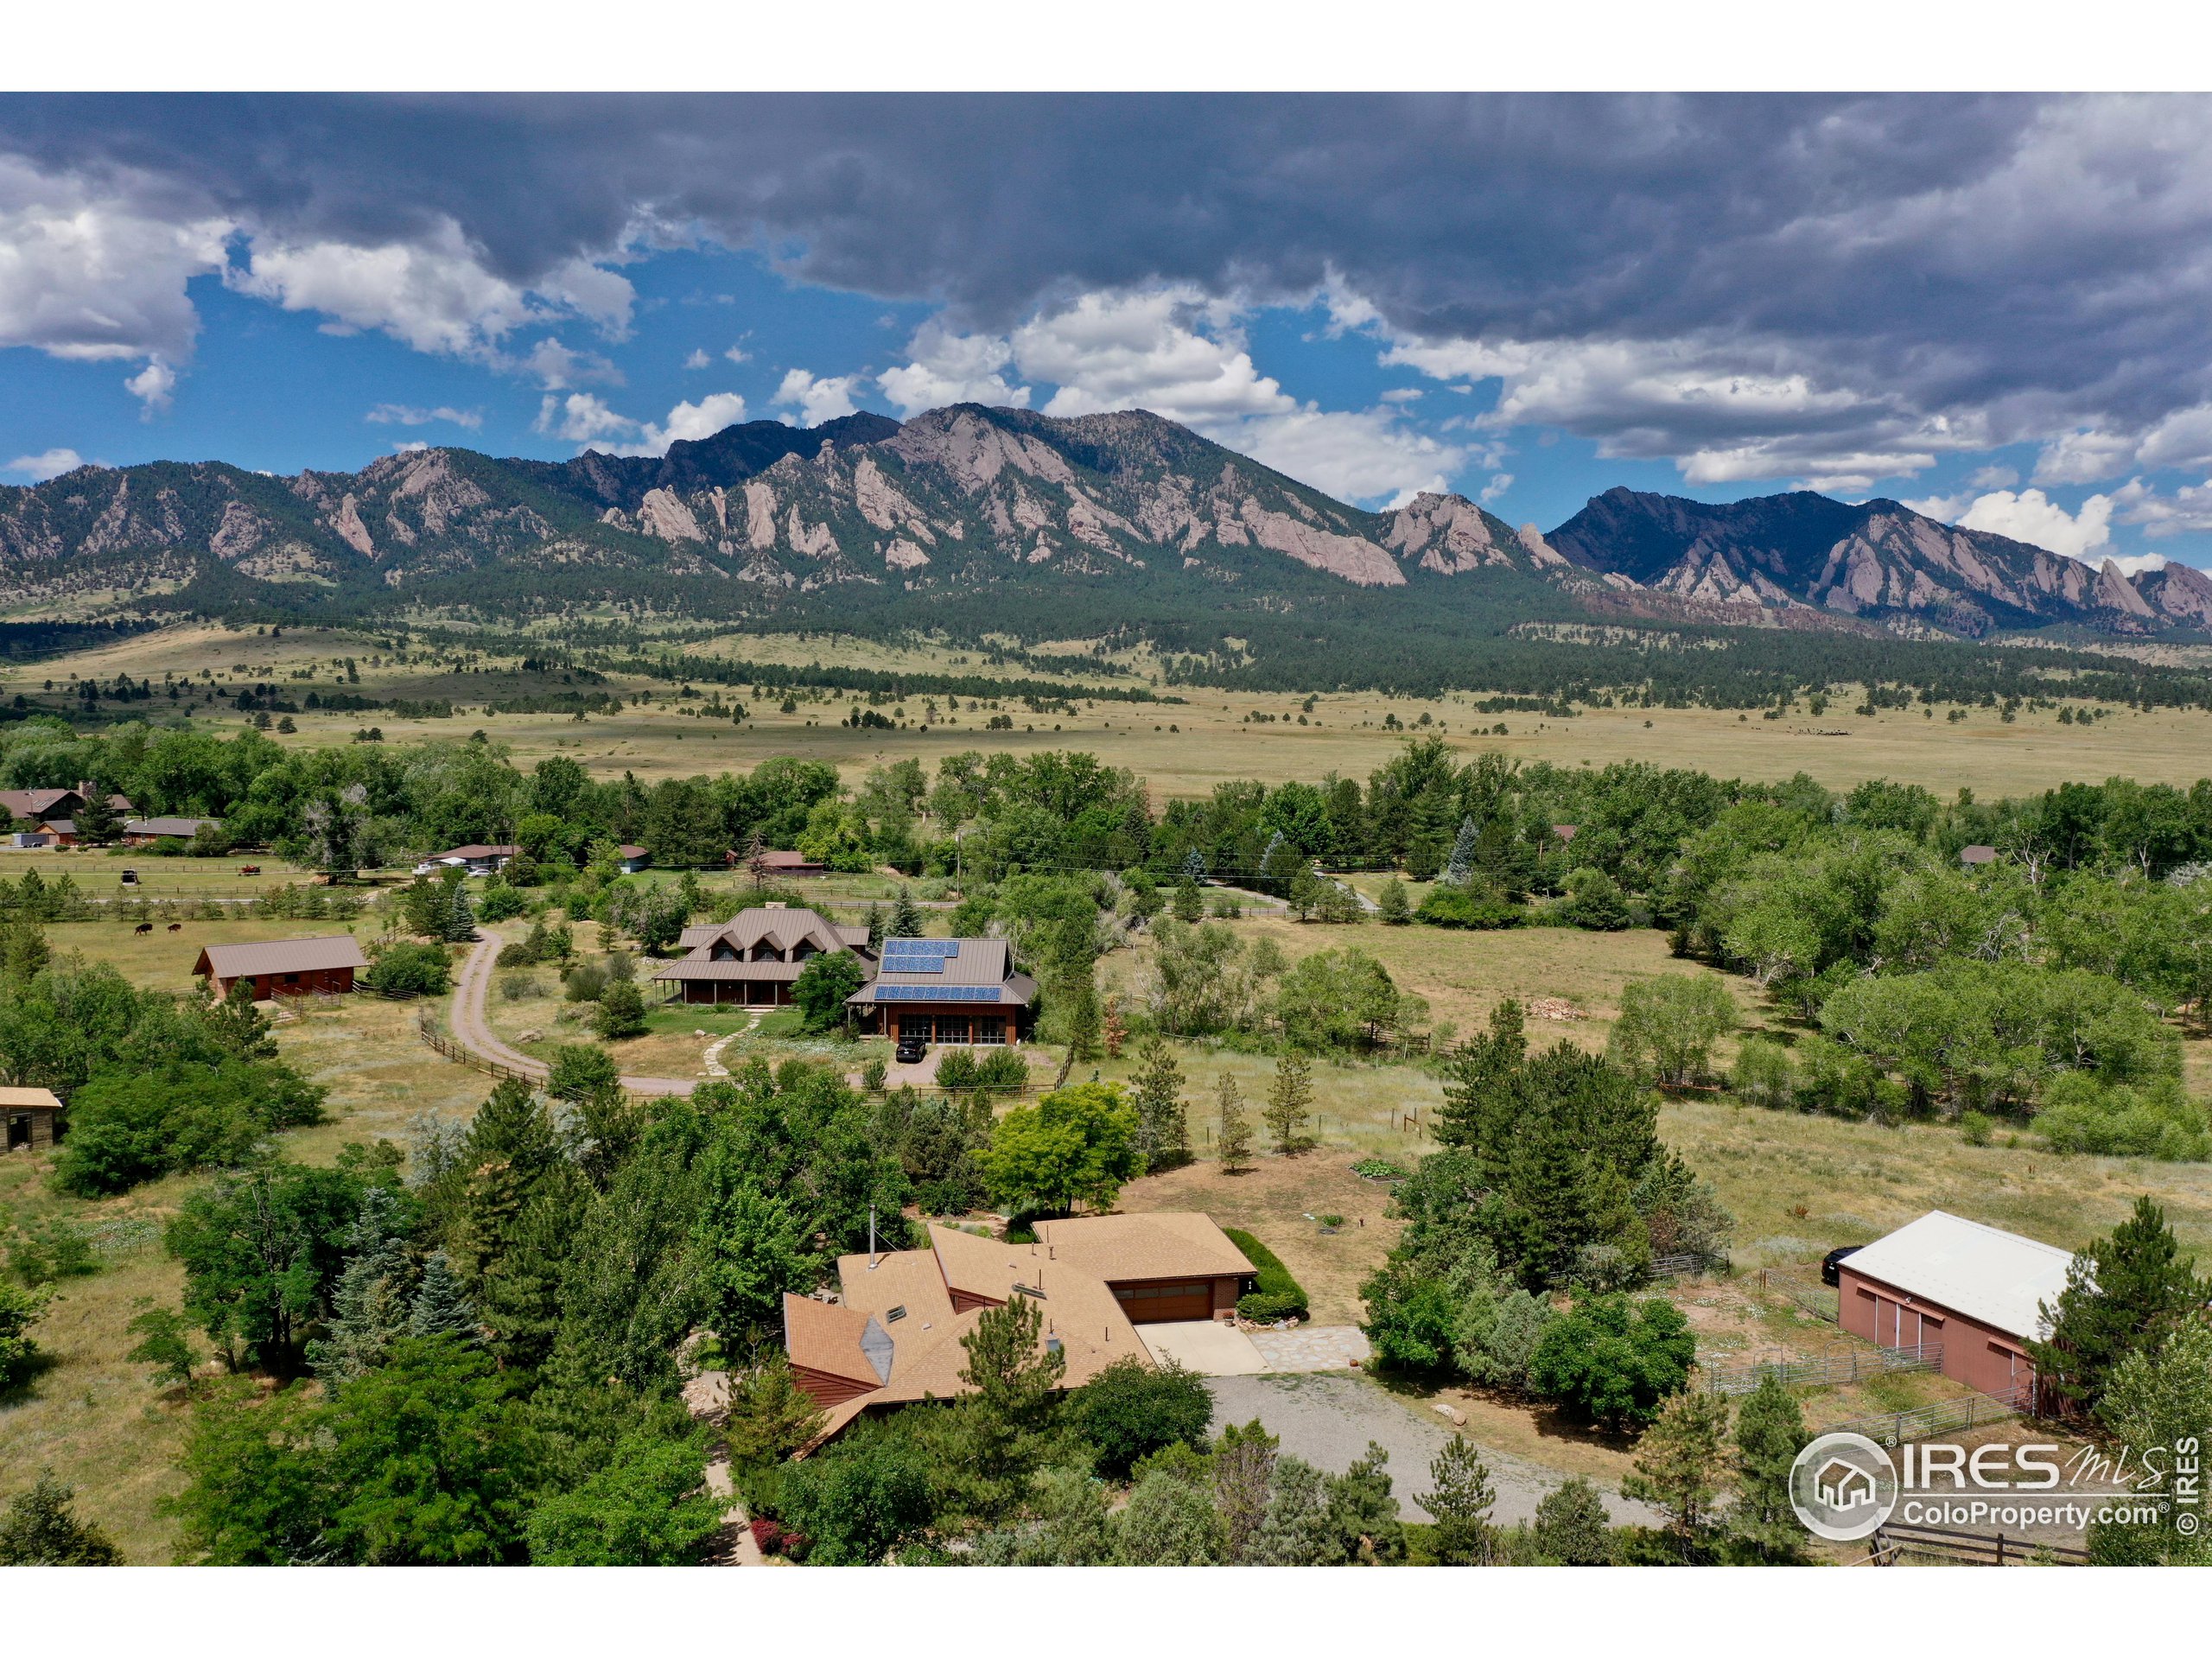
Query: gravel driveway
{"points": [[1328, 1418]]}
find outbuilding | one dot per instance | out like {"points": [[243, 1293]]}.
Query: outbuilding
{"points": [[1977, 1290], [34, 1118], [323, 966]]}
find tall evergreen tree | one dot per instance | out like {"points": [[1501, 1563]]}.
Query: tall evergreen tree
{"points": [[906, 916], [1681, 1465], [1460, 865], [441, 1307], [875, 924], [2124, 1294], [1571, 1527], [1290, 1102], [1163, 1126], [1459, 1497], [1233, 1130], [41, 1529], [1392, 908], [1481, 1089], [1770, 1433], [369, 1307]]}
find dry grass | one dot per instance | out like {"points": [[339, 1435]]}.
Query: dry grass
{"points": [[1215, 744]]}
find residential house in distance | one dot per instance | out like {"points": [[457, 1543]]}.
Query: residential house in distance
{"points": [[781, 864], [49, 814], [480, 858], [755, 957], [148, 832], [894, 1335], [1975, 857], [1977, 1290], [34, 1118], [323, 966], [947, 991]]}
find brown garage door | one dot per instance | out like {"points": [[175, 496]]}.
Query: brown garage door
{"points": [[1156, 1304]]}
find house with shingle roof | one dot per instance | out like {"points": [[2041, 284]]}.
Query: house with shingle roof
{"points": [[754, 958], [893, 1337]]}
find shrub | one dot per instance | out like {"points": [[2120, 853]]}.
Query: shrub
{"points": [[1615, 1360], [409, 969], [1473, 905], [1975, 1127], [1412, 1318], [1129, 1410], [1001, 1068], [872, 1073], [585, 982], [1763, 1074], [130, 1125], [1263, 1307], [502, 903], [956, 1069], [1270, 1277], [1594, 900], [2081, 1115], [621, 1012]]}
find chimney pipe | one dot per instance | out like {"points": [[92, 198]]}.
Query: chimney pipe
{"points": [[871, 1238]]}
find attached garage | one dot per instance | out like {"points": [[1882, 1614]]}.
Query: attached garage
{"points": [[1158, 1304]]}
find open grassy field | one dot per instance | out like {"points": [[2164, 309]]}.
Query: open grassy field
{"points": [[1212, 741]]}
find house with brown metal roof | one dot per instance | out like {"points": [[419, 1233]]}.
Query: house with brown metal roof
{"points": [[782, 861], [34, 1118], [754, 958], [1974, 857], [893, 1337], [144, 832], [946, 991], [323, 966]]}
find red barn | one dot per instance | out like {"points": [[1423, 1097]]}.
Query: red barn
{"points": [[1977, 1290], [284, 967]]}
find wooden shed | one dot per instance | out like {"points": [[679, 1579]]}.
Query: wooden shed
{"points": [[34, 1118]]}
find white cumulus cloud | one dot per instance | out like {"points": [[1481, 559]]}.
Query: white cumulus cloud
{"points": [[152, 386], [409, 414], [40, 467], [949, 368], [582, 417], [817, 397], [698, 359], [2031, 515], [586, 420]]}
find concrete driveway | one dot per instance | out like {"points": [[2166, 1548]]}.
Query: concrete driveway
{"points": [[1204, 1346]]}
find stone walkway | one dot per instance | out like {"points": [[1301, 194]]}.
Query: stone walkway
{"points": [[1312, 1347]]}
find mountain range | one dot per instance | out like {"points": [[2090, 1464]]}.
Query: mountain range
{"points": [[966, 499]]}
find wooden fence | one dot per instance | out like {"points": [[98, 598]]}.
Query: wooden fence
{"points": [[1891, 1544], [427, 1029]]}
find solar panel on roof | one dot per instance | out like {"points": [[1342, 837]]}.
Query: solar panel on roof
{"points": [[921, 948], [935, 993]]}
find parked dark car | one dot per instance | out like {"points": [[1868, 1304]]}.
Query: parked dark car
{"points": [[910, 1050], [1834, 1259]]}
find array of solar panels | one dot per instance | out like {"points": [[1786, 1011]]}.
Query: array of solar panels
{"points": [[935, 993], [918, 955]]}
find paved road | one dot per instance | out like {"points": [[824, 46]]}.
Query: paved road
{"points": [[1328, 1419], [474, 1032]]}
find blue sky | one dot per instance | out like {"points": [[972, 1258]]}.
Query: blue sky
{"points": [[1991, 309]]}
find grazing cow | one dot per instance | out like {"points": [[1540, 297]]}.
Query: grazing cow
{"points": [[176, 927], [144, 927]]}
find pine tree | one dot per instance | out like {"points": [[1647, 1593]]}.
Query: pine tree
{"points": [[770, 1416], [1393, 909], [369, 1307], [1571, 1527], [1460, 865], [1546, 1190], [1112, 1029], [1682, 1464], [1233, 1133], [1481, 1089], [2124, 1294], [1189, 905], [236, 1022], [510, 1150], [906, 916], [1459, 1499], [41, 1529], [96, 822], [875, 924], [1163, 1126], [1770, 1433], [1290, 1102], [440, 1308], [461, 915], [1243, 1459]]}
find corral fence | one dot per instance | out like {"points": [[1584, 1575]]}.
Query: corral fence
{"points": [[1891, 1544], [1816, 1298], [1688, 1264], [1824, 1370], [427, 1028], [1895, 1428]]}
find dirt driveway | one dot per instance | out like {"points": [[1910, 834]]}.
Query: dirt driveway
{"points": [[1328, 1418]]}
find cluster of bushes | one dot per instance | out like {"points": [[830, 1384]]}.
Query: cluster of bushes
{"points": [[1274, 1294], [982, 1068], [405, 967]]}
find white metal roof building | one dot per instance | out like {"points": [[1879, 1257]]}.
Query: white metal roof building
{"points": [[1997, 1279]]}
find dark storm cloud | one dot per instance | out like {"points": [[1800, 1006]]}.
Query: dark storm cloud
{"points": [[1893, 273]]}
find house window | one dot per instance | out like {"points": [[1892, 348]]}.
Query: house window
{"points": [[989, 1028]]}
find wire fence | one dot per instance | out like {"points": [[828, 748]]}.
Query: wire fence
{"points": [[1824, 1370], [1818, 1300], [1895, 1428]]}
